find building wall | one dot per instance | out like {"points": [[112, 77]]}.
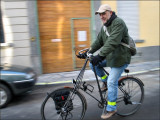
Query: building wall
{"points": [[149, 23], [113, 4], [16, 49]]}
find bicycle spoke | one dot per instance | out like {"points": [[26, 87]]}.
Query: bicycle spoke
{"points": [[130, 96], [128, 87], [135, 90], [72, 109], [120, 99]]}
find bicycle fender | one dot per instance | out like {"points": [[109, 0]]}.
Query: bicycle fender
{"points": [[131, 77]]}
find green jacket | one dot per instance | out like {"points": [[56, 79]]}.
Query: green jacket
{"points": [[116, 54]]}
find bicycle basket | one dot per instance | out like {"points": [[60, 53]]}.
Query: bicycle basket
{"points": [[60, 97]]}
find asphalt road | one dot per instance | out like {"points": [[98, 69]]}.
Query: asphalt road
{"points": [[27, 106]]}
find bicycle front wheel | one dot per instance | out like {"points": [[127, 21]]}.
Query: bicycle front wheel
{"points": [[73, 109], [130, 96]]}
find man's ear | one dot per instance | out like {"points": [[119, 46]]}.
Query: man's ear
{"points": [[111, 12]]}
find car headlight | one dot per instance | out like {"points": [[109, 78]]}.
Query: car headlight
{"points": [[30, 75]]}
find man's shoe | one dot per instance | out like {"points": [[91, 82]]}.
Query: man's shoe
{"points": [[108, 114], [104, 86]]}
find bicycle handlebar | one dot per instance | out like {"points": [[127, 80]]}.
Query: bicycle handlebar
{"points": [[83, 54]]}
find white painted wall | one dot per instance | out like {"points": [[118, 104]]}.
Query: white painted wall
{"points": [[16, 31]]}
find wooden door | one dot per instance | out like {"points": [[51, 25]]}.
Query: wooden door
{"points": [[55, 32]]}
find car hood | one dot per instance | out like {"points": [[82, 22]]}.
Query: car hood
{"points": [[16, 73]]}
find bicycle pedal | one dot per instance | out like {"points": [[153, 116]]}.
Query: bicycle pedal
{"points": [[91, 88], [88, 87]]}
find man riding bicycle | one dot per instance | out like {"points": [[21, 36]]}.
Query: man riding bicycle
{"points": [[112, 54]]}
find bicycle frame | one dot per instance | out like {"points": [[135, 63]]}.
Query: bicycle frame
{"points": [[78, 83]]}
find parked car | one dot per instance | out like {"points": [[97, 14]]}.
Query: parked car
{"points": [[15, 80]]}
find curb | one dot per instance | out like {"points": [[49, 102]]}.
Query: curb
{"points": [[70, 81]]}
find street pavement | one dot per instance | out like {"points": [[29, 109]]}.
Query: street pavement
{"points": [[28, 106], [67, 77]]}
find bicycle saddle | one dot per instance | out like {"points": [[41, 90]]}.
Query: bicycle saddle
{"points": [[126, 70]]}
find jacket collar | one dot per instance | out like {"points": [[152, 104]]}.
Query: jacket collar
{"points": [[111, 19]]}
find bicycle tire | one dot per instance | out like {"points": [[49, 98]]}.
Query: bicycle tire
{"points": [[134, 88], [49, 112]]}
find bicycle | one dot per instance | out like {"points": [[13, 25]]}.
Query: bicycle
{"points": [[69, 103]]}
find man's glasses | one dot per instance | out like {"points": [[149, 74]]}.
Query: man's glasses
{"points": [[102, 13]]}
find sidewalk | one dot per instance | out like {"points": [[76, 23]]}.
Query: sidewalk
{"points": [[67, 77]]}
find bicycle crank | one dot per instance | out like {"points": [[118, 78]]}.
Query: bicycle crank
{"points": [[100, 105]]}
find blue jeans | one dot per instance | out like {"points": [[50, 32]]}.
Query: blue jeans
{"points": [[112, 82]]}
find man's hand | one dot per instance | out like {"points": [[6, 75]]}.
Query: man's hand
{"points": [[96, 59], [82, 56]]}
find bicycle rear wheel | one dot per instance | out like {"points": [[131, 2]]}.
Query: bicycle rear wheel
{"points": [[73, 109], [130, 96]]}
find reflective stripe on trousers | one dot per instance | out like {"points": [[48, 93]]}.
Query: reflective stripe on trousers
{"points": [[111, 103], [104, 77]]}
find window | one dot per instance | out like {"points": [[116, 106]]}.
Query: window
{"points": [[129, 12], [1, 29]]}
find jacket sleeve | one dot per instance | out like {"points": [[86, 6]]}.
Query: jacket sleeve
{"points": [[114, 39], [98, 43]]}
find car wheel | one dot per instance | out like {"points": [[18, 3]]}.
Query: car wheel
{"points": [[5, 95]]}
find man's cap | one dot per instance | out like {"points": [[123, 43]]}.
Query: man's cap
{"points": [[103, 8]]}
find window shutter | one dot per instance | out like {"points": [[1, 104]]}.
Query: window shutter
{"points": [[129, 12]]}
